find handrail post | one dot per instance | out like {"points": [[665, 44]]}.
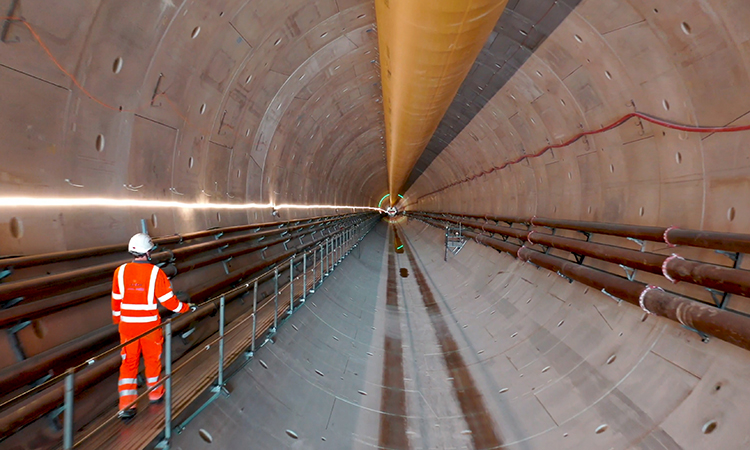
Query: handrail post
{"points": [[221, 344], [304, 277], [275, 299], [321, 263], [168, 382], [328, 255], [255, 314], [291, 285], [68, 420]]}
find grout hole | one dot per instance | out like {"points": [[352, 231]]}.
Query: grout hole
{"points": [[205, 435], [361, 16], [502, 391], [324, 34], [562, 102], [203, 108], [248, 79], [686, 28], [612, 168], [641, 211], [678, 157], [117, 65], [100, 143], [570, 176], [611, 359], [16, 227], [656, 11], [665, 104], [292, 434], [730, 214], [523, 33], [559, 324], [278, 41], [218, 216], [578, 38], [601, 429], [191, 161], [239, 172], [154, 221], [607, 74], [539, 74], [196, 32], [709, 427], [545, 369]]}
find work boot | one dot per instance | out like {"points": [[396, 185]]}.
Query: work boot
{"points": [[158, 401], [126, 414]]}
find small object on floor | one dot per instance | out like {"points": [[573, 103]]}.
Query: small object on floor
{"points": [[126, 414]]}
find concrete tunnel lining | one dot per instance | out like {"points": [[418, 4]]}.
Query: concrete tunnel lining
{"points": [[292, 113]]}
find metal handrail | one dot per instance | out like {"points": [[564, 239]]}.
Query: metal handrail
{"points": [[310, 248]]}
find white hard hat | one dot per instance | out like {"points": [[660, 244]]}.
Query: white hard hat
{"points": [[140, 244]]}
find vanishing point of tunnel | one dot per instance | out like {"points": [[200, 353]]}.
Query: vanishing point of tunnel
{"points": [[405, 224]]}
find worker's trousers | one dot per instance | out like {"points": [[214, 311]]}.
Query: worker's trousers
{"points": [[150, 346]]}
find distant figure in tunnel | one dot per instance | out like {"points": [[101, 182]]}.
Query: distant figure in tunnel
{"points": [[136, 287]]}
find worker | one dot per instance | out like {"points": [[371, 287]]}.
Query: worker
{"points": [[136, 287]]}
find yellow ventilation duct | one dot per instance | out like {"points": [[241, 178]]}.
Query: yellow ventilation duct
{"points": [[427, 48]]}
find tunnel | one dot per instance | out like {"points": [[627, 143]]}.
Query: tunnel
{"points": [[448, 224]]}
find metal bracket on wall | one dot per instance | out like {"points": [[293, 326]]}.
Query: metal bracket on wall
{"points": [[641, 243], [285, 243], [721, 299], [562, 275], [15, 342], [629, 272], [704, 337], [618, 300], [579, 258]]}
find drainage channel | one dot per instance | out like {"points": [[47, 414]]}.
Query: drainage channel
{"points": [[470, 399], [393, 396]]}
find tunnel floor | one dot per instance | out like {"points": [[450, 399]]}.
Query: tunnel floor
{"points": [[399, 349]]}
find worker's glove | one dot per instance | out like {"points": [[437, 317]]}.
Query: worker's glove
{"points": [[192, 307]]}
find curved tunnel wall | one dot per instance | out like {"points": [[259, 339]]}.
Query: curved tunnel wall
{"points": [[686, 62], [293, 113]]}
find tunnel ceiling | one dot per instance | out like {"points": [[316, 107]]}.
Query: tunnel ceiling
{"points": [[524, 25]]}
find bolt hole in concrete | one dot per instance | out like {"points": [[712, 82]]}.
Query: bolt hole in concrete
{"points": [[730, 214], [545, 369], [248, 80], [612, 168], [686, 28], [601, 429], [709, 427], [665, 104], [608, 74], [205, 435], [154, 221], [611, 359], [203, 108], [100, 143], [196, 32], [559, 324], [191, 161], [503, 391], [218, 216], [117, 65], [678, 157], [718, 387], [292, 434], [641, 211], [404, 272], [578, 38], [278, 41], [16, 227]]}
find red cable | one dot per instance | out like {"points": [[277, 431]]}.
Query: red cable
{"points": [[646, 117]]}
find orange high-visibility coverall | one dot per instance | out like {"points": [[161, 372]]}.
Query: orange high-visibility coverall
{"points": [[136, 287]]}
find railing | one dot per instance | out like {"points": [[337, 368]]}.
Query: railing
{"points": [[707, 320], [337, 236]]}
